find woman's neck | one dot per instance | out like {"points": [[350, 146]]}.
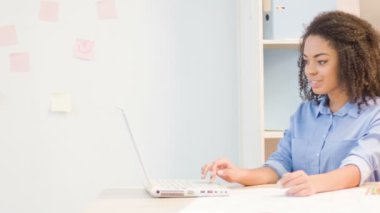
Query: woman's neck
{"points": [[336, 102]]}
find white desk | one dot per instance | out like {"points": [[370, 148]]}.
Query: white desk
{"points": [[137, 200], [134, 200]]}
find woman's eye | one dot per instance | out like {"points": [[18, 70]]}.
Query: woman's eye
{"points": [[322, 62]]}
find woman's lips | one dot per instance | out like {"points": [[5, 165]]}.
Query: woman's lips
{"points": [[314, 83]]}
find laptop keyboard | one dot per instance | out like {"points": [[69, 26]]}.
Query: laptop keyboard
{"points": [[180, 184]]}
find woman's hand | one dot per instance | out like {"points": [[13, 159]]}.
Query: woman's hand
{"points": [[299, 184], [222, 168]]}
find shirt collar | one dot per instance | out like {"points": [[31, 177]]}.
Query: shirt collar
{"points": [[349, 108]]}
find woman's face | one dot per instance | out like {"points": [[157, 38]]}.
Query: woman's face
{"points": [[321, 66]]}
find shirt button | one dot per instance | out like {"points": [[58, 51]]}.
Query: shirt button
{"points": [[317, 154]]}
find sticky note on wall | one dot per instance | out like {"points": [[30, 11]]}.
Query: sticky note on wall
{"points": [[8, 35], [106, 9], [49, 11], [19, 62], [84, 49], [60, 102]]}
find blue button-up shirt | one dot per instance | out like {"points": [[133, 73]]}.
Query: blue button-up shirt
{"points": [[319, 141]]}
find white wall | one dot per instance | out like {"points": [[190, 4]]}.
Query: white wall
{"points": [[369, 11], [171, 64]]}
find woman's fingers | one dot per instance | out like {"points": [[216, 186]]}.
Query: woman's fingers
{"points": [[205, 170], [214, 167], [292, 179], [299, 184]]}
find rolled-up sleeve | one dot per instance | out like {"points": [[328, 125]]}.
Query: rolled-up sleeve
{"points": [[364, 168], [281, 161], [366, 155]]}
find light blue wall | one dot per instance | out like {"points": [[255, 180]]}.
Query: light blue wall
{"points": [[280, 87]]}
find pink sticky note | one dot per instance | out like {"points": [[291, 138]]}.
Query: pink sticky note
{"points": [[106, 9], [84, 49], [19, 62], [7, 35], [49, 11]]}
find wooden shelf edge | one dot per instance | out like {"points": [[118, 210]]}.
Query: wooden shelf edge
{"points": [[273, 134], [283, 43]]}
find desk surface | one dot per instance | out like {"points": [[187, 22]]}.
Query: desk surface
{"points": [[134, 200], [138, 200]]}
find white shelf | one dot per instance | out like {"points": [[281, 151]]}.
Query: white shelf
{"points": [[273, 134], [283, 43]]}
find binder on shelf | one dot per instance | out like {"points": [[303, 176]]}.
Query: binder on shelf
{"points": [[283, 19]]}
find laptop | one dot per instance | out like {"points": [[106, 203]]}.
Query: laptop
{"points": [[175, 187]]}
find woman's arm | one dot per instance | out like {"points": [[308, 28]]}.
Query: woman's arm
{"points": [[226, 170], [342, 178], [250, 177]]}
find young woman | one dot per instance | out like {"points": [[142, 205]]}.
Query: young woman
{"points": [[333, 141]]}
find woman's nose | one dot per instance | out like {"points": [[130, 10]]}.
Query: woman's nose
{"points": [[310, 70]]}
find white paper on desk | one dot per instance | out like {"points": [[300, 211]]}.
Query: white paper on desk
{"points": [[242, 200], [274, 200]]}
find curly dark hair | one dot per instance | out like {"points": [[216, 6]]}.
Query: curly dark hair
{"points": [[357, 45]]}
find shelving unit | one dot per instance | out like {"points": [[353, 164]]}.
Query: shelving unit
{"points": [[280, 90], [280, 39]]}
